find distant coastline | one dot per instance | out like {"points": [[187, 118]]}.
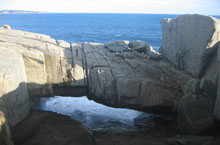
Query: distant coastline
{"points": [[21, 12]]}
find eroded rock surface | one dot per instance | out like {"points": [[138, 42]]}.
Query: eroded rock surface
{"points": [[131, 79], [47, 128], [192, 43], [120, 74], [188, 39], [124, 77], [5, 133], [14, 98]]}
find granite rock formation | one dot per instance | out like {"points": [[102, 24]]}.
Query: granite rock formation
{"points": [[131, 79], [188, 40], [124, 78], [191, 42], [182, 78]]}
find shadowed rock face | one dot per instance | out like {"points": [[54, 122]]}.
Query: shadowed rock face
{"points": [[47, 128]]}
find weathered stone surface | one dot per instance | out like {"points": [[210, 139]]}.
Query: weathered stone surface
{"points": [[5, 133], [47, 61], [187, 38], [131, 79], [139, 46], [208, 87], [116, 75], [217, 102], [192, 42], [113, 74], [14, 98], [119, 45], [212, 74], [47, 128], [195, 113], [154, 55], [192, 86]]}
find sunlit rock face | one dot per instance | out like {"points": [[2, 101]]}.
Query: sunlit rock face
{"points": [[188, 40], [131, 79], [14, 98], [125, 78], [46, 60], [191, 42]]}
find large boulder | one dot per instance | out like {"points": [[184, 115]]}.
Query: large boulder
{"points": [[132, 80], [187, 40], [140, 46], [195, 113], [7, 27], [143, 47], [46, 60], [119, 45], [14, 97]]}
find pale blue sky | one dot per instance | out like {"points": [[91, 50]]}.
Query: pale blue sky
{"points": [[208, 7]]}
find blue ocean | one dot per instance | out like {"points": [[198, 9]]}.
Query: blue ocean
{"points": [[91, 27], [82, 27]]}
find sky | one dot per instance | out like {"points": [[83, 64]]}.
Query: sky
{"points": [[207, 7]]}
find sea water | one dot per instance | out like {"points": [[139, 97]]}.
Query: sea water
{"points": [[91, 114], [83, 27]]}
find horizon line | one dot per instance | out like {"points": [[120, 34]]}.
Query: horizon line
{"points": [[46, 12]]}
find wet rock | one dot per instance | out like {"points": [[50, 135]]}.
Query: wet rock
{"points": [[47, 128], [153, 121], [128, 138]]}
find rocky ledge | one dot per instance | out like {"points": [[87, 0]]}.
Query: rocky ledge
{"points": [[183, 78]]}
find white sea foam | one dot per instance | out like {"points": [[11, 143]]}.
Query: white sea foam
{"points": [[90, 113]]}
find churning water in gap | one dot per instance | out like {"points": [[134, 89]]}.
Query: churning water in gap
{"points": [[91, 114]]}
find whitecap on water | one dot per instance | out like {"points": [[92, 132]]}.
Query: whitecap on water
{"points": [[90, 113]]}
